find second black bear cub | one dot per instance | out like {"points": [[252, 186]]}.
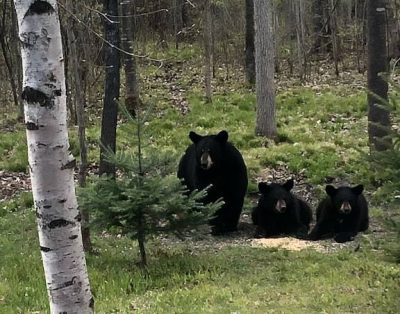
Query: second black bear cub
{"points": [[280, 212], [343, 213]]}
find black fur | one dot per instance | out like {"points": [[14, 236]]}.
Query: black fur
{"points": [[213, 160], [342, 214], [272, 219]]}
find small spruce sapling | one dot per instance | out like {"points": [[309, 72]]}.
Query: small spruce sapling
{"points": [[146, 198], [385, 166]]}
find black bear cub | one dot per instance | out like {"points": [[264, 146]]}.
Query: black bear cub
{"points": [[280, 212], [213, 160], [342, 214]]}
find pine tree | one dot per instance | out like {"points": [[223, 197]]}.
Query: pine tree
{"points": [[146, 198], [386, 166]]}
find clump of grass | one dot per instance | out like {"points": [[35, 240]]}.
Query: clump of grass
{"points": [[23, 201], [317, 161], [13, 151]]}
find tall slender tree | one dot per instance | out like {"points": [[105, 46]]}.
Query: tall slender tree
{"points": [[78, 76], [111, 86], [298, 8], [378, 116], [318, 24], [334, 34], [250, 61], [265, 69], [50, 163], [178, 20], [8, 60], [208, 52], [128, 41]]}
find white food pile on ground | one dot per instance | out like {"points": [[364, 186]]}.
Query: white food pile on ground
{"points": [[288, 243]]}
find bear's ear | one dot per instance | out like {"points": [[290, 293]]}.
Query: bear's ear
{"points": [[263, 187], [222, 137], [357, 190], [330, 190], [288, 185], [195, 137]]}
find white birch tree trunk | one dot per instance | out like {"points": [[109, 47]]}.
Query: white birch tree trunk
{"points": [[265, 69], [51, 165]]}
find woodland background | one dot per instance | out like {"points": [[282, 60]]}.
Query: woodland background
{"points": [[322, 121]]}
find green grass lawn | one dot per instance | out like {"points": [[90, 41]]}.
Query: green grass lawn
{"points": [[181, 279]]}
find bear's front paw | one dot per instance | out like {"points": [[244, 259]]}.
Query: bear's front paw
{"points": [[214, 221], [222, 229], [301, 233], [311, 237], [344, 237], [259, 235]]}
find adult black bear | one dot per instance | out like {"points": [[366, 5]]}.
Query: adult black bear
{"points": [[213, 160], [280, 212], [343, 213]]}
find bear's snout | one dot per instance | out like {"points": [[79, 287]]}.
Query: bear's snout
{"points": [[280, 206], [345, 207], [206, 161]]}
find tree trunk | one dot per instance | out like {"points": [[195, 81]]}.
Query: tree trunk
{"points": [[141, 234], [111, 88], [378, 117], [321, 26], [393, 29], [364, 35], [78, 77], [14, 46], [291, 18], [318, 24], [127, 40], [357, 34], [80, 116], [208, 50], [277, 26], [7, 57], [70, 103], [141, 240], [265, 88], [178, 21], [334, 39], [51, 165], [300, 35], [250, 61]]}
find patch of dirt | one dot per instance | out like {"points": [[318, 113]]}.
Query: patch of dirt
{"points": [[178, 98], [202, 240], [172, 72], [13, 183]]}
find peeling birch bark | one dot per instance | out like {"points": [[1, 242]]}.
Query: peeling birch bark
{"points": [[51, 164]]}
